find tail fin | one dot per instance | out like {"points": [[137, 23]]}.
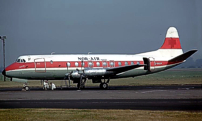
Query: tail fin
{"points": [[172, 40], [171, 46]]}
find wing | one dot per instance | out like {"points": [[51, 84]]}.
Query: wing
{"points": [[124, 68]]}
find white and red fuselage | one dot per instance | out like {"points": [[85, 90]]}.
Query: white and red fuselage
{"points": [[100, 65]]}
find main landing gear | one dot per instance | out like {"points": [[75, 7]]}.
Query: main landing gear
{"points": [[104, 85]]}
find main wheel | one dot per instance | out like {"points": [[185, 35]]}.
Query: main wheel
{"points": [[26, 88], [103, 85]]}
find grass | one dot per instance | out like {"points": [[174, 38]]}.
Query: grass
{"points": [[170, 77], [92, 115]]}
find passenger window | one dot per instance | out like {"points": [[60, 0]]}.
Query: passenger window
{"points": [[76, 64], [82, 64], [119, 63], [90, 64], [126, 63], [98, 63], [112, 64], [68, 64], [132, 63], [138, 63], [104, 64]]}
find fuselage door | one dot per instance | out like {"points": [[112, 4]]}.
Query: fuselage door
{"points": [[40, 65], [152, 63]]}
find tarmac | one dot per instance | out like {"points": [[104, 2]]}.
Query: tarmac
{"points": [[175, 97]]}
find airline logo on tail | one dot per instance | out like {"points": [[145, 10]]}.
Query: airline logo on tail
{"points": [[172, 40]]}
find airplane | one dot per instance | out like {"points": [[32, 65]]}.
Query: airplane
{"points": [[98, 67]]}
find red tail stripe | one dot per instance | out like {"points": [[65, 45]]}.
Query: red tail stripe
{"points": [[171, 43]]}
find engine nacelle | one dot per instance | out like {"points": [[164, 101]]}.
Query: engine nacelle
{"points": [[95, 72], [75, 74], [91, 72]]}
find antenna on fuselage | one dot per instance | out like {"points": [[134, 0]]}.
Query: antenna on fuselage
{"points": [[89, 53], [52, 53]]}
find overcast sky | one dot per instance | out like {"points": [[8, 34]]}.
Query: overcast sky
{"points": [[98, 26]]}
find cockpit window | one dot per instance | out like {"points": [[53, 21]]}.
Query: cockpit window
{"points": [[21, 60], [18, 60]]}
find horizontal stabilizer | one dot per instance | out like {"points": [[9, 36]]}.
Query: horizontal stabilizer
{"points": [[124, 68], [183, 57]]}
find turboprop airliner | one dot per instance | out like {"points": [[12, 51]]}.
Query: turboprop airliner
{"points": [[99, 67]]}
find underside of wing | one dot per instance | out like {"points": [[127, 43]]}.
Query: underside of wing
{"points": [[124, 68]]}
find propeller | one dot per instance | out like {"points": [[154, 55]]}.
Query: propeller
{"points": [[78, 73], [81, 72], [69, 77]]}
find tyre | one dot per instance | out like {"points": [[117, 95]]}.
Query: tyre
{"points": [[104, 85], [26, 88]]}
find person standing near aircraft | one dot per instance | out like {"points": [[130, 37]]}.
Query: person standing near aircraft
{"points": [[46, 85], [25, 87], [52, 85]]}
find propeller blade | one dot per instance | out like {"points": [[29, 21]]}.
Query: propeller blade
{"points": [[82, 64], [69, 77], [79, 84], [69, 81]]}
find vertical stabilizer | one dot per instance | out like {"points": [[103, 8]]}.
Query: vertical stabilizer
{"points": [[172, 40], [171, 46]]}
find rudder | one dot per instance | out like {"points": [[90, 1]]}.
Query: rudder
{"points": [[172, 40]]}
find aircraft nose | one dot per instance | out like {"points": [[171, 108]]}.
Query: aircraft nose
{"points": [[4, 72]]}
